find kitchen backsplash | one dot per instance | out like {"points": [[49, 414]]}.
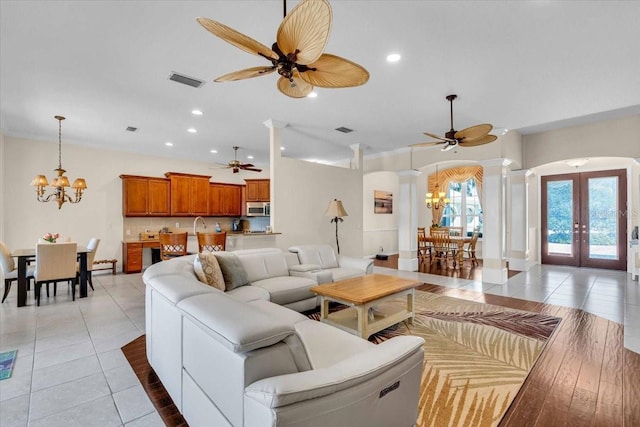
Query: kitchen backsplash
{"points": [[132, 227]]}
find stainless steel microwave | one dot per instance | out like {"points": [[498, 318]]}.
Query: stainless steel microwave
{"points": [[258, 209]]}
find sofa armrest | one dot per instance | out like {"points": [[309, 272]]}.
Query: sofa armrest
{"points": [[287, 389], [319, 276], [365, 264]]}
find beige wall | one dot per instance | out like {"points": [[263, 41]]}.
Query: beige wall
{"points": [[303, 191], [100, 212], [380, 230], [610, 138]]}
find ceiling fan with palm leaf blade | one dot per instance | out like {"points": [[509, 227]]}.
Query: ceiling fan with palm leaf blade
{"points": [[297, 55], [469, 137], [236, 164]]}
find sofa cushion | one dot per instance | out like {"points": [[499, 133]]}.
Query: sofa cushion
{"points": [[208, 270], [322, 255], [235, 324], [232, 269], [286, 289], [264, 265], [341, 273], [249, 293]]}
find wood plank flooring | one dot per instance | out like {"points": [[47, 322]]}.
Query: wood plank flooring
{"points": [[584, 377]]}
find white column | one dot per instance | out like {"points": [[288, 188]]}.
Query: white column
{"points": [[518, 220], [408, 221], [356, 161], [494, 263], [275, 142]]}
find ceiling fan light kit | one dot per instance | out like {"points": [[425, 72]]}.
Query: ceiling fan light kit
{"points": [[468, 137], [298, 53]]}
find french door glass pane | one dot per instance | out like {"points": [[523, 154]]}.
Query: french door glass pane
{"points": [[560, 217], [603, 218]]}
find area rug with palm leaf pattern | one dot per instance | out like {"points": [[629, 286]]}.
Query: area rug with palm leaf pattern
{"points": [[476, 356]]}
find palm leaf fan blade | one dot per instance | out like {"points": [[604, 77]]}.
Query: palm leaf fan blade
{"points": [[236, 38], [437, 137], [305, 31], [473, 132], [481, 141], [247, 73], [332, 71], [299, 88]]}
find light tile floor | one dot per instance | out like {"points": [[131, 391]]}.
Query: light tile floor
{"points": [[70, 369]]}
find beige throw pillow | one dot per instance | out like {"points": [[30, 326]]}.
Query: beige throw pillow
{"points": [[208, 270]]}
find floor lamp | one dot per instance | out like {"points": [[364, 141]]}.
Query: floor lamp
{"points": [[336, 212]]}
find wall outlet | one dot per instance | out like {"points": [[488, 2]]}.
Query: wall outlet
{"points": [[128, 232], [177, 225]]}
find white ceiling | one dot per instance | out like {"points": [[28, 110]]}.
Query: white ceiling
{"points": [[520, 65]]}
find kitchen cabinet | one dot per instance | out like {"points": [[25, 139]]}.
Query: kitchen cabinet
{"points": [[145, 196], [131, 257], [225, 200], [189, 194], [258, 190]]}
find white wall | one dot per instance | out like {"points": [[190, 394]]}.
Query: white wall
{"points": [[302, 193], [380, 230], [100, 212]]}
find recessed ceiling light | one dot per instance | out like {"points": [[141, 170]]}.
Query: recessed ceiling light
{"points": [[197, 112], [312, 95], [281, 148], [214, 151], [169, 144], [192, 130], [394, 57], [250, 157]]}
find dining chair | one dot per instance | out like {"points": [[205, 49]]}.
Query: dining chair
{"points": [[55, 262], [92, 248], [9, 270], [455, 231], [211, 242], [470, 248], [441, 247], [424, 247], [172, 245]]}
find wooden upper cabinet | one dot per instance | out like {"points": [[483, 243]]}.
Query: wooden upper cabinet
{"points": [[258, 190], [225, 200], [144, 196], [189, 194]]}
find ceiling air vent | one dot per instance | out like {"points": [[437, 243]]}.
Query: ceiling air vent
{"points": [[131, 129], [344, 129], [185, 80]]}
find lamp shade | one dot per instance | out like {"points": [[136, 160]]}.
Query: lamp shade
{"points": [[80, 184], [61, 181], [335, 209], [40, 181]]}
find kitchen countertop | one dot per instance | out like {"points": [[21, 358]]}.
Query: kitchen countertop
{"points": [[229, 233]]}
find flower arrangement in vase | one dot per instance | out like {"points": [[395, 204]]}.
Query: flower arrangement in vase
{"points": [[51, 238]]}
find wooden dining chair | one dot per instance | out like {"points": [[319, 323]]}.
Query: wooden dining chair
{"points": [[469, 251], [55, 262], [424, 247], [172, 245], [455, 231], [211, 242], [441, 247], [9, 269]]}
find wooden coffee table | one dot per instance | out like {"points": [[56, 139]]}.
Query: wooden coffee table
{"points": [[367, 295]]}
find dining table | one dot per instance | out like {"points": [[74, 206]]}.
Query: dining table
{"points": [[458, 240], [29, 254]]}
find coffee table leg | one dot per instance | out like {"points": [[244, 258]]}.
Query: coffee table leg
{"points": [[324, 308], [410, 298], [363, 320]]}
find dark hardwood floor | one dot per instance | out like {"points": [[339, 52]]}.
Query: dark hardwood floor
{"points": [[584, 376]]}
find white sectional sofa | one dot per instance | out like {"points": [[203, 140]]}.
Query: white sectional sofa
{"points": [[324, 258], [237, 359]]}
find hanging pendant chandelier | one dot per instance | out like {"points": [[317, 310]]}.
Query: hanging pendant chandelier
{"points": [[60, 182], [437, 198]]}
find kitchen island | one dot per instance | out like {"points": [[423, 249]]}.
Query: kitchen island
{"points": [[135, 258]]}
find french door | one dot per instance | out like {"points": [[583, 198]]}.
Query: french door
{"points": [[584, 219]]}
